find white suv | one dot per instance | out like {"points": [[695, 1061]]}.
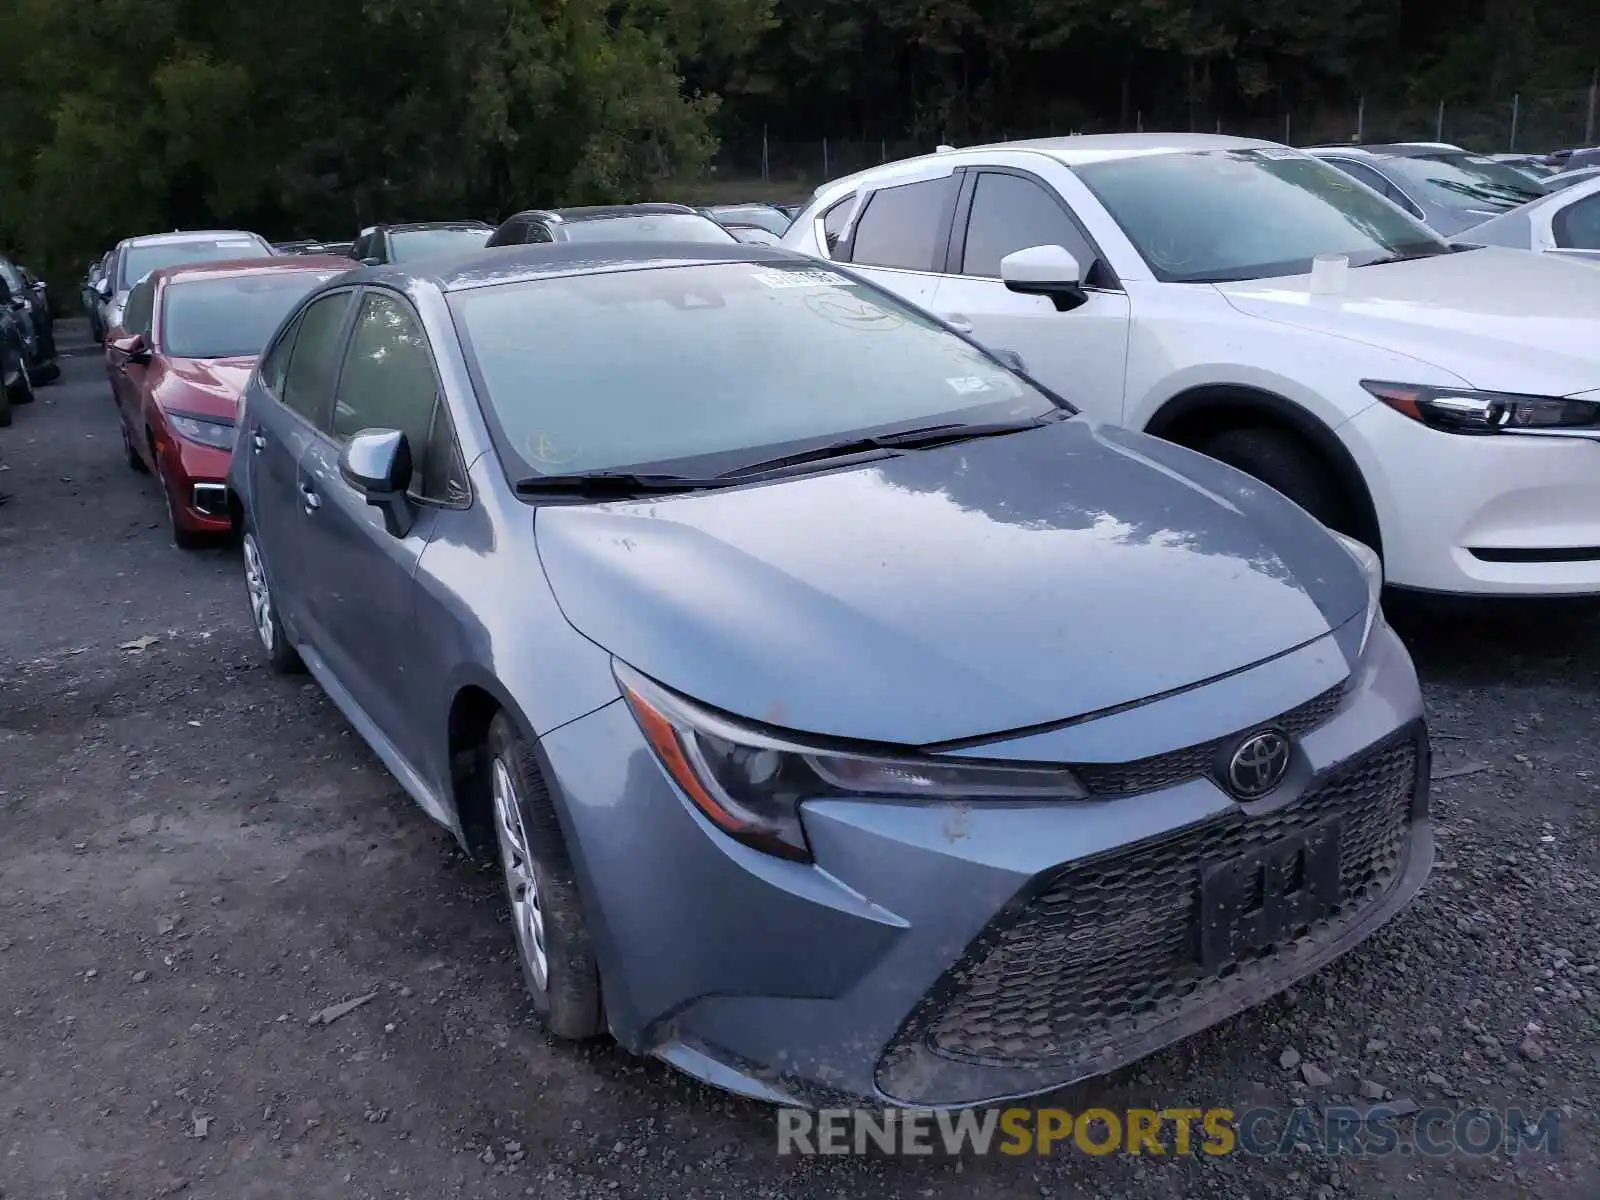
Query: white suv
{"points": [[1441, 403]]}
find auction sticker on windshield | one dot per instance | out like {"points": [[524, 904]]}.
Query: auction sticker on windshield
{"points": [[791, 277]]}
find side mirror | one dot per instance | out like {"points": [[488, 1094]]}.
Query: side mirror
{"points": [[39, 286], [1011, 359], [377, 463], [20, 303], [370, 261], [1052, 271], [134, 347], [102, 289]]}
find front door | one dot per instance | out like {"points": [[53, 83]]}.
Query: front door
{"points": [[1080, 354], [362, 605]]}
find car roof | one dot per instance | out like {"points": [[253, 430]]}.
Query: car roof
{"points": [[1075, 150], [187, 235], [412, 226], [519, 264], [233, 268], [602, 212]]}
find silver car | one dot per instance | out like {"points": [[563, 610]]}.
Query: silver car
{"points": [[851, 720], [136, 257], [1445, 187]]}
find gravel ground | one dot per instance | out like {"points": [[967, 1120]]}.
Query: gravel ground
{"points": [[197, 857]]}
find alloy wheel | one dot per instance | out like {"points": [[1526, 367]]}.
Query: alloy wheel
{"points": [[255, 582], [522, 883]]}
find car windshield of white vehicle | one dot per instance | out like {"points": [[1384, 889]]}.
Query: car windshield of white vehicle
{"points": [[412, 244], [1466, 181], [139, 261], [658, 227], [230, 318], [709, 368], [1211, 216]]}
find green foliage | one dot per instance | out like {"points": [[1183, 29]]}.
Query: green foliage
{"points": [[315, 117]]}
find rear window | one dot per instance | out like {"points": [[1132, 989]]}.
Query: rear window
{"points": [[410, 244], [230, 318], [657, 227], [139, 261]]}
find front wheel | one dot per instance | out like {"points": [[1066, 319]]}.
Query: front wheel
{"points": [[547, 921], [1283, 460], [281, 656]]}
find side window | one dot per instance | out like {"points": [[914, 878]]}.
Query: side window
{"points": [[388, 383], [514, 234], [1012, 213], [441, 475], [536, 232], [136, 315], [314, 363], [275, 362], [903, 226], [833, 222], [1577, 226]]}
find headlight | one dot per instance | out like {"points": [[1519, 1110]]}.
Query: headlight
{"points": [[1372, 566], [750, 783], [1463, 410], [204, 430]]}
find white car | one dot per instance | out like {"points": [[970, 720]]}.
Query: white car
{"points": [[1441, 404], [1566, 222]]}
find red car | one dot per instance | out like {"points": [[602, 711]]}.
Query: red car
{"points": [[189, 337]]}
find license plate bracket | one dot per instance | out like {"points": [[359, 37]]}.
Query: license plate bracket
{"points": [[1253, 900]]}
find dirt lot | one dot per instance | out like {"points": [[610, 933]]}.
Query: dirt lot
{"points": [[195, 857]]}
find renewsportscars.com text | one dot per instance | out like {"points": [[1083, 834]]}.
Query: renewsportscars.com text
{"points": [[1264, 1132]]}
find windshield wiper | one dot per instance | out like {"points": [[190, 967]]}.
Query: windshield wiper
{"points": [[610, 483], [923, 437]]}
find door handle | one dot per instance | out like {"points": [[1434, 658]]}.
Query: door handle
{"points": [[309, 499], [959, 322], [258, 440]]}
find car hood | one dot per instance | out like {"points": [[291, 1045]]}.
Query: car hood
{"points": [[1494, 317], [954, 593], [206, 387]]}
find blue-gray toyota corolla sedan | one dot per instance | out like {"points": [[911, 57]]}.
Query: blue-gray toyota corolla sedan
{"points": [[850, 718]]}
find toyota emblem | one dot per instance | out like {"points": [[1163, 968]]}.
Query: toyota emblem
{"points": [[1258, 764]]}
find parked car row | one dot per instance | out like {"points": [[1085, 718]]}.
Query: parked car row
{"points": [[27, 337], [934, 660]]}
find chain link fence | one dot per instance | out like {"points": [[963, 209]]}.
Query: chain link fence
{"points": [[1527, 123]]}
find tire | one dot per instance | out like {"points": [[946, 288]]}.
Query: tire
{"points": [[1284, 461], [19, 390], [135, 463], [281, 656], [46, 373], [183, 539], [547, 921]]}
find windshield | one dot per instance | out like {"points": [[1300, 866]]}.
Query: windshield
{"points": [[412, 244], [764, 215], [1465, 181], [139, 261], [656, 227], [230, 318], [1217, 215], [724, 360]]}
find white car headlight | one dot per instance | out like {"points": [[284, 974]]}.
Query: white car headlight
{"points": [[1371, 566], [1468, 411]]}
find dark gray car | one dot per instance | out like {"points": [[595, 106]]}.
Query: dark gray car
{"points": [[1450, 190], [848, 717]]}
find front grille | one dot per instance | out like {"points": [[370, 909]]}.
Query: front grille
{"points": [[1179, 766], [1109, 950]]}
